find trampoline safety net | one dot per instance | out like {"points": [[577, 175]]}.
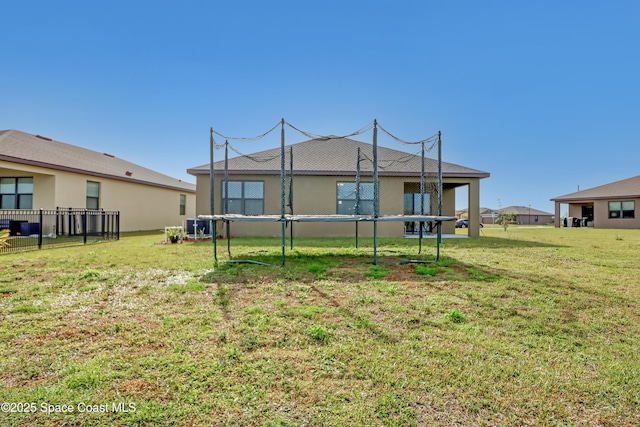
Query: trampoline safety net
{"points": [[312, 185]]}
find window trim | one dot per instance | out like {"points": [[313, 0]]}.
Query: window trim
{"points": [[353, 200], [97, 199], [18, 195], [183, 205], [621, 213], [415, 204], [243, 199]]}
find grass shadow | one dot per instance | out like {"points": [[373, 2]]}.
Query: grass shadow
{"points": [[498, 242]]}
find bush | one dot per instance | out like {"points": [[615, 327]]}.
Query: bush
{"points": [[4, 238]]}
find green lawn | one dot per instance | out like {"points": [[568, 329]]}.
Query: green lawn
{"points": [[523, 327]]}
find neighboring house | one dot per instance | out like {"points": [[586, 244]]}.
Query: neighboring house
{"points": [[524, 215], [607, 206], [484, 213], [521, 215], [488, 215], [39, 173], [323, 177]]}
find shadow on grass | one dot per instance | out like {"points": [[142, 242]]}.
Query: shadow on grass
{"points": [[268, 244], [346, 268], [493, 290], [252, 258], [497, 242], [338, 260]]}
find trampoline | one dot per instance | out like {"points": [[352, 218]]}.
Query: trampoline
{"points": [[362, 208]]}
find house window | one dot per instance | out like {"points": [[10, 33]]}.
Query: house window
{"points": [[413, 203], [245, 197], [16, 193], [346, 198], [183, 204], [623, 209], [93, 195]]}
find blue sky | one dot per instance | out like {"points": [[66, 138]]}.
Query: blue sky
{"points": [[544, 95]]}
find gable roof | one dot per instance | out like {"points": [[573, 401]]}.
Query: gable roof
{"points": [[523, 210], [629, 187], [516, 210], [24, 148], [466, 211], [336, 156]]}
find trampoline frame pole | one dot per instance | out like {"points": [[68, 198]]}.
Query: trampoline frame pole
{"points": [[226, 195], [357, 193], [376, 190], [282, 192], [421, 224], [211, 194], [291, 196], [439, 194]]}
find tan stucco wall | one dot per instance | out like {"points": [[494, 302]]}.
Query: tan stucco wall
{"points": [[42, 180], [448, 209], [142, 207], [531, 219], [316, 195], [576, 211], [473, 203], [601, 214]]}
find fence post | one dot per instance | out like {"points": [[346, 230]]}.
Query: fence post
{"points": [[118, 225], [40, 230], [84, 226], [72, 228]]}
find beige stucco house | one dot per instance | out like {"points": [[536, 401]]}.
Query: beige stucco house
{"points": [[523, 215], [607, 206], [39, 173], [464, 213], [324, 174]]}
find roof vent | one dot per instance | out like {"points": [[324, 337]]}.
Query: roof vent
{"points": [[109, 155], [44, 137], [128, 173]]}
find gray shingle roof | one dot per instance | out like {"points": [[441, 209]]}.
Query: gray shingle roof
{"points": [[24, 148], [335, 156], [629, 187], [483, 211], [517, 210], [522, 210]]}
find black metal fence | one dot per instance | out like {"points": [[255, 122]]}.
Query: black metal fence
{"points": [[39, 229]]}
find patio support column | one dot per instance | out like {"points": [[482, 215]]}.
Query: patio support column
{"points": [[556, 220], [474, 208]]}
